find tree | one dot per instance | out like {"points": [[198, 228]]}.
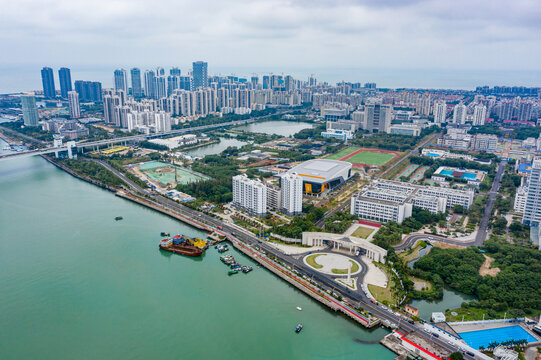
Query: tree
{"points": [[456, 356]]}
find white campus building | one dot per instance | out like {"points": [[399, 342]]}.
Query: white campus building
{"points": [[292, 190], [250, 195], [386, 200]]}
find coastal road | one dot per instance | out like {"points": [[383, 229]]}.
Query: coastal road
{"points": [[483, 226], [353, 297]]}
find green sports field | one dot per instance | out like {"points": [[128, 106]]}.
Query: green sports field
{"points": [[359, 156]]}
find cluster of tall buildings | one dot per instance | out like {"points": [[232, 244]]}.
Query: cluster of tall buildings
{"points": [[256, 197]]}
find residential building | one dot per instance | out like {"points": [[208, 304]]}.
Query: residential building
{"points": [[136, 88], [64, 78], [250, 195], [459, 113], [440, 111], [532, 208], [485, 142], [150, 84], [199, 75], [121, 80], [88, 90], [521, 196], [479, 115], [30, 110], [47, 79], [292, 189], [73, 100]]}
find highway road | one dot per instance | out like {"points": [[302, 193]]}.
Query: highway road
{"points": [[483, 226], [125, 139], [353, 297]]}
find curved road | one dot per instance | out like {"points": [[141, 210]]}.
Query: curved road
{"points": [[354, 297]]}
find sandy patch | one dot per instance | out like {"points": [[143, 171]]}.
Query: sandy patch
{"points": [[447, 246], [485, 268]]}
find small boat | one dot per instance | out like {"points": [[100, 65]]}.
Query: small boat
{"points": [[246, 269], [232, 272], [118, 218], [299, 308], [298, 328], [165, 234]]}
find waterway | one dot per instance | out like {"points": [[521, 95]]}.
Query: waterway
{"points": [[75, 283], [216, 148], [278, 127]]}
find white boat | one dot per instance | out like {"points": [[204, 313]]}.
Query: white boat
{"points": [[299, 308]]}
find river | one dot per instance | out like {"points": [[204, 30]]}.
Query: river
{"points": [[75, 283], [278, 127]]}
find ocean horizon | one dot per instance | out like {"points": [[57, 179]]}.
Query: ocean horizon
{"points": [[19, 78]]}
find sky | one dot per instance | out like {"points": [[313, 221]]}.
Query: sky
{"points": [[313, 34]]}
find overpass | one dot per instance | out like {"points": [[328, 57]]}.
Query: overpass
{"points": [[125, 139]]}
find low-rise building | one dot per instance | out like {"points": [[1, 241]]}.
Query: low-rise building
{"points": [[405, 129], [387, 200], [337, 134]]}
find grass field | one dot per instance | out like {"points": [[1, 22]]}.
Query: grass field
{"points": [[354, 268], [363, 232], [311, 260], [360, 156]]}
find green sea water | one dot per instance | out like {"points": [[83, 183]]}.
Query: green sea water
{"points": [[76, 284]]}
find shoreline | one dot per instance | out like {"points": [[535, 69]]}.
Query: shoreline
{"points": [[280, 271]]}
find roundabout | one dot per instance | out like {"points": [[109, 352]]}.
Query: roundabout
{"points": [[332, 264]]}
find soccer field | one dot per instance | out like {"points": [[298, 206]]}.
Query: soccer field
{"points": [[360, 156], [370, 158]]}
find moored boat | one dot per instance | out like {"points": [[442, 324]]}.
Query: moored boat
{"points": [[298, 328], [231, 272], [181, 245]]}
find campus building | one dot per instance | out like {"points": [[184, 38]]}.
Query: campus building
{"points": [[250, 195], [387, 200], [319, 175]]}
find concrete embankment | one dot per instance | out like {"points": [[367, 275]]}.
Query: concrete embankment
{"points": [[302, 284], [160, 208]]}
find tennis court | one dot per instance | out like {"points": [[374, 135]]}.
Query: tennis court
{"points": [[164, 173]]}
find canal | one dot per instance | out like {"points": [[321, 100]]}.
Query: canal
{"points": [[278, 127]]}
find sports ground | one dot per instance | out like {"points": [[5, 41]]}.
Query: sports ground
{"points": [[359, 157], [164, 173]]}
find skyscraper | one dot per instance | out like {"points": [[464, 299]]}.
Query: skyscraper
{"points": [[150, 84], [199, 75], [459, 114], [121, 80], [30, 110], [64, 78], [532, 210], [479, 114], [88, 90], [440, 111], [174, 71], [47, 78], [136, 89], [73, 99]]}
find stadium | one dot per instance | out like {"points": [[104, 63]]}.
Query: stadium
{"points": [[319, 175]]}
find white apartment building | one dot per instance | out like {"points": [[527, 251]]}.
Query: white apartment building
{"points": [[274, 197], [250, 195], [73, 100], [532, 207], [292, 189], [479, 115], [459, 114], [440, 111], [386, 200], [520, 199]]}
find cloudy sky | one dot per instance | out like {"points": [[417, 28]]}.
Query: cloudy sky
{"points": [[435, 34]]}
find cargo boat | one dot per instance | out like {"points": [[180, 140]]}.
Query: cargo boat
{"points": [[182, 245]]}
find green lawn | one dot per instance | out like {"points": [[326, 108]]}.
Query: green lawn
{"points": [[371, 158], [381, 294], [354, 268], [311, 260], [363, 232], [343, 153]]}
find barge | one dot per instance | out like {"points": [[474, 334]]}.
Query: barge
{"points": [[183, 246]]}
